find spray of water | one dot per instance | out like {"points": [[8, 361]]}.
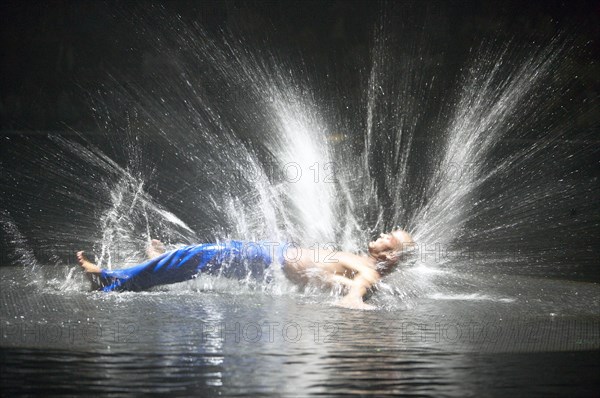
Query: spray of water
{"points": [[225, 140]]}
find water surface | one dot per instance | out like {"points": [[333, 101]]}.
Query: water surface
{"points": [[472, 341]]}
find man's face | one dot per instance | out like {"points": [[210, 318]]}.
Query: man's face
{"points": [[391, 241], [385, 242]]}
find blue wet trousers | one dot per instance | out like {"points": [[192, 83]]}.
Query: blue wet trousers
{"points": [[231, 258]]}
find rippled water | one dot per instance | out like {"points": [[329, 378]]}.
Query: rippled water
{"points": [[531, 337]]}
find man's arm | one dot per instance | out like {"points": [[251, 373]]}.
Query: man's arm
{"points": [[364, 279]]}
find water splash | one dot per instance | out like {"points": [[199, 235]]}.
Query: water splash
{"points": [[21, 252], [226, 139], [497, 93]]}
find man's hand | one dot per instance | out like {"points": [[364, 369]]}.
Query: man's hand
{"points": [[357, 288], [353, 303]]}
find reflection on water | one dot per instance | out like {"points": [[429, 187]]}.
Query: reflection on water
{"points": [[358, 371], [245, 342]]}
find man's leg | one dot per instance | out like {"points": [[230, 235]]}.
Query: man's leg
{"points": [[92, 271], [154, 249], [171, 267]]}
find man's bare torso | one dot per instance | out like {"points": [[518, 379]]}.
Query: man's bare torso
{"points": [[322, 266]]}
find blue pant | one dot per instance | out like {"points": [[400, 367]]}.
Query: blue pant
{"points": [[232, 259]]}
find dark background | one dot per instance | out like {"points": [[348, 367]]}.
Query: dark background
{"points": [[52, 51]]}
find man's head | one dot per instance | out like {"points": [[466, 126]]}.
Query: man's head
{"points": [[390, 247]]}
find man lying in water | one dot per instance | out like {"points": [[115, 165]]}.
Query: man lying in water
{"points": [[356, 273]]}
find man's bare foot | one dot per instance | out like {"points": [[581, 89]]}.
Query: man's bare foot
{"points": [[86, 264], [155, 248]]}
